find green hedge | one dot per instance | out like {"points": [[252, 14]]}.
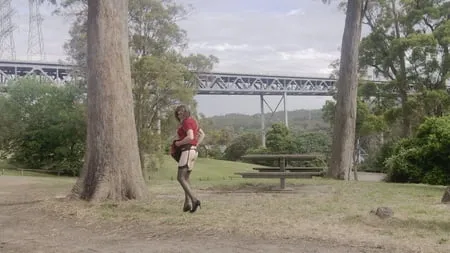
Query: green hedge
{"points": [[423, 158]]}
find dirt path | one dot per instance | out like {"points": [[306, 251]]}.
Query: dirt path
{"points": [[26, 230], [43, 235]]}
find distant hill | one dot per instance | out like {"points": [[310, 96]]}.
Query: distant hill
{"points": [[299, 120]]}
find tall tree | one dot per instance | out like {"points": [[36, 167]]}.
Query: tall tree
{"points": [[112, 167], [159, 71], [408, 45], [347, 84]]}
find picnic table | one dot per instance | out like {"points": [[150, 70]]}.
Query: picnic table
{"points": [[283, 171]]}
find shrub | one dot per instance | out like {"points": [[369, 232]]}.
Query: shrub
{"points": [[423, 158], [241, 145], [375, 162], [47, 126]]}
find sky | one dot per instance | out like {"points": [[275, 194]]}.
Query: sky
{"points": [[283, 37]]}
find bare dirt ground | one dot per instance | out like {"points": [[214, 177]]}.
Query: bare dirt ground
{"points": [[25, 228]]}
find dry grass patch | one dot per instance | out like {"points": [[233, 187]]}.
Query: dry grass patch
{"points": [[318, 209]]}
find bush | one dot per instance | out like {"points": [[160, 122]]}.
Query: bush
{"points": [[213, 152], [423, 158], [241, 145], [261, 150], [376, 160], [312, 142], [47, 126], [279, 139]]}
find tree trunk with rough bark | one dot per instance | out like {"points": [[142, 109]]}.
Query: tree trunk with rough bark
{"points": [[446, 197], [347, 84], [112, 169]]}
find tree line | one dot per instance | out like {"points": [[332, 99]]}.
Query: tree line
{"points": [[299, 120]]}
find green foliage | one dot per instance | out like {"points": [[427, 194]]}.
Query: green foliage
{"points": [[314, 142], [241, 145], [46, 126], [299, 120], [423, 158], [153, 27], [279, 139], [408, 45], [213, 152], [218, 137], [10, 126], [376, 160], [367, 122], [157, 82]]}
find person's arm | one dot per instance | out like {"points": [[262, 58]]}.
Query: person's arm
{"points": [[188, 126], [189, 137], [201, 136]]}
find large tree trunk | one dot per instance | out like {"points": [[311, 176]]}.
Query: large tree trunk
{"points": [[347, 84], [446, 197], [112, 168]]}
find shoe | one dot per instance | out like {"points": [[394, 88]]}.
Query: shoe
{"points": [[186, 208], [195, 205]]}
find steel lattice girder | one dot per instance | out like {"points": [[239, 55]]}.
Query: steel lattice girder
{"points": [[247, 84], [204, 83], [57, 73]]}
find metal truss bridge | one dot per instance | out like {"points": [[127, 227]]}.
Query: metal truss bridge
{"points": [[250, 84], [206, 83]]}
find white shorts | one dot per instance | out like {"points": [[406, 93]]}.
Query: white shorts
{"points": [[188, 158]]}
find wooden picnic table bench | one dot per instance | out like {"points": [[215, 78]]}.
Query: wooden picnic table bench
{"points": [[282, 171], [58, 172], [299, 169]]}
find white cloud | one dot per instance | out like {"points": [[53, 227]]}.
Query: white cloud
{"points": [[265, 41], [219, 47], [295, 12], [308, 54]]}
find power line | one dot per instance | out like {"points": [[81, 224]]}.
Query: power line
{"points": [[7, 45], [35, 37]]}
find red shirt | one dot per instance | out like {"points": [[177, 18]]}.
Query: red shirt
{"points": [[188, 123]]}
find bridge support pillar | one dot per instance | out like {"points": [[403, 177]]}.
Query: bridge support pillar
{"points": [[263, 120], [263, 127], [285, 110]]}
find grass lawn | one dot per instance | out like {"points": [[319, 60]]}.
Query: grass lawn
{"points": [[205, 170], [319, 209], [10, 170]]}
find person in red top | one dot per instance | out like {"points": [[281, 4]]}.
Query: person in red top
{"points": [[184, 151]]}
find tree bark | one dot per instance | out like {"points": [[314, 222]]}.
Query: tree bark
{"points": [[347, 84], [446, 197], [112, 169]]}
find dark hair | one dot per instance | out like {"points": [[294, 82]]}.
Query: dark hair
{"points": [[184, 108]]}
